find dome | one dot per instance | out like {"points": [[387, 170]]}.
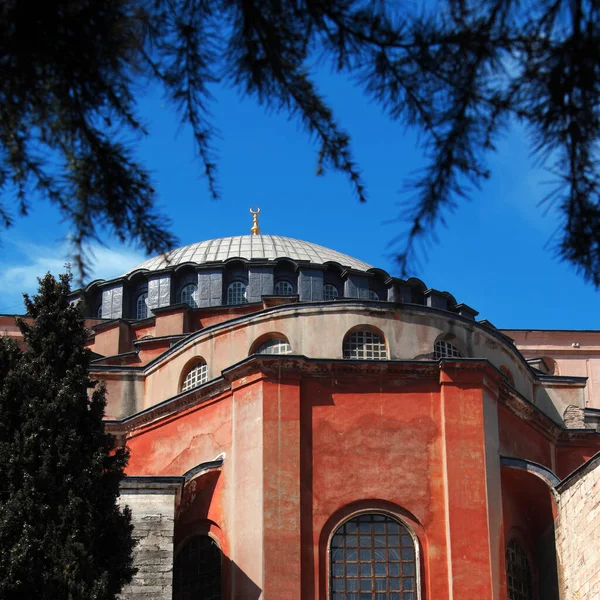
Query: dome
{"points": [[267, 247]]}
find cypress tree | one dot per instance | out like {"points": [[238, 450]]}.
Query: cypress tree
{"points": [[62, 533]]}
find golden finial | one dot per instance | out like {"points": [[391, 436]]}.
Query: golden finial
{"points": [[255, 228]]}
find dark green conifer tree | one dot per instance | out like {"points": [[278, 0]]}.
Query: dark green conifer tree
{"points": [[62, 533]]}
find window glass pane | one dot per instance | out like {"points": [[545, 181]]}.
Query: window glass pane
{"points": [[142, 306], [376, 575], [364, 345], [330, 292], [443, 349], [236, 293], [189, 295], [283, 288], [518, 575], [274, 346], [197, 570], [195, 377]]}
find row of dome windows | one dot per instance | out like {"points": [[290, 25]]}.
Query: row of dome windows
{"points": [[236, 294], [361, 344]]}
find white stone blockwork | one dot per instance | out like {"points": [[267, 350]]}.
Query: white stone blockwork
{"points": [[578, 533], [152, 503]]}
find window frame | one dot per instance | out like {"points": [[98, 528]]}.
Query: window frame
{"points": [[447, 343], [244, 294], [275, 340], [367, 511], [188, 539], [194, 295], [141, 295], [292, 289], [365, 329], [337, 292], [528, 558], [374, 296], [188, 370]]}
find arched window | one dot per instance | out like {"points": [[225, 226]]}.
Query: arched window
{"points": [[141, 306], [236, 293], [196, 376], [330, 292], [274, 346], [373, 295], [518, 575], [197, 570], [283, 288], [188, 295], [364, 344], [444, 349], [373, 556]]}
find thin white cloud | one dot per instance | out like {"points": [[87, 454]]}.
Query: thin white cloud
{"points": [[27, 262]]}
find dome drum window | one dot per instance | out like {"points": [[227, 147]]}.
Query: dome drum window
{"points": [[330, 292], [444, 349], [373, 295], [373, 556], [141, 306], [195, 377], [237, 293], [189, 295], [283, 288], [364, 344]]}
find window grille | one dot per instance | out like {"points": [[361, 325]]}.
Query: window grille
{"points": [[364, 344], [189, 294], [142, 306], [274, 346], [99, 312], [518, 575], [373, 295], [443, 349], [195, 377], [284, 288], [330, 292], [197, 570], [236, 293], [373, 557]]}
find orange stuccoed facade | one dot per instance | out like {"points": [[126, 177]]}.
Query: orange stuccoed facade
{"points": [[354, 447]]}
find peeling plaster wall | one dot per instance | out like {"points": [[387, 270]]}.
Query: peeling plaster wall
{"points": [[578, 534]]}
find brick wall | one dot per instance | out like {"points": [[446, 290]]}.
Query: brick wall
{"points": [[153, 510], [578, 533]]}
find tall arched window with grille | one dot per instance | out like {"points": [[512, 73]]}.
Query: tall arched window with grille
{"points": [[189, 295], [518, 573], [364, 344], [373, 556], [141, 306], [197, 570], [196, 376], [236, 293]]}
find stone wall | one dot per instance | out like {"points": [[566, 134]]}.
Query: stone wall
{"points": [[578, 533], [152, 503]]}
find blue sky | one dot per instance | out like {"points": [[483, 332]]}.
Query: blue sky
{"points": [[494, 254]]}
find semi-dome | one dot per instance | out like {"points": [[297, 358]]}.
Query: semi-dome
{"points": [[268, 247]]}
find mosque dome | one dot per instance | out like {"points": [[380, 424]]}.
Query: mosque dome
{"points": [[250, 247]]}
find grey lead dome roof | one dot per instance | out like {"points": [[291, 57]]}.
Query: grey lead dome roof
{"points": [[250, 247]]}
